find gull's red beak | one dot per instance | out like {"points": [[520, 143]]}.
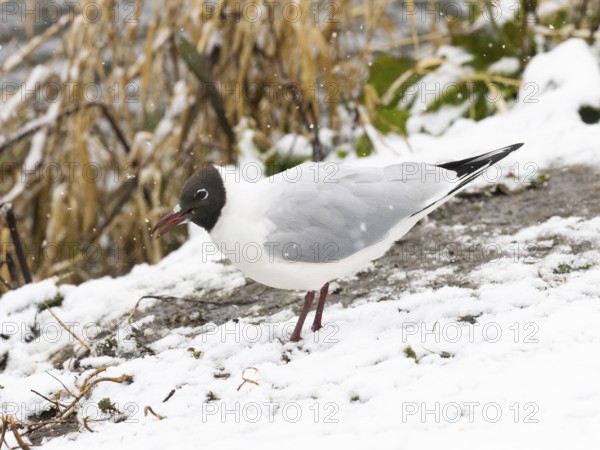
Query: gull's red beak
{"points": [[169, 222]]}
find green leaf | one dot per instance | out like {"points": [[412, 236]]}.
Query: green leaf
{"points": [[106, 406], [199, 65], [53, 302], [453, 94], [560, 19], [385, 70], [391, 119], [488, 45], [364, 147], [410, 353], [510, 92]]}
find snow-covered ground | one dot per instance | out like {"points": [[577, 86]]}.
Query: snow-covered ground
{"points": [[521, 374]]}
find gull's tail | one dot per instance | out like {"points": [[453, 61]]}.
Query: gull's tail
{"points": [[469, 169], [466, 170]]}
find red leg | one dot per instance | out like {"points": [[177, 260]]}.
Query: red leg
{"points": [[308, 299], [319, 314]]}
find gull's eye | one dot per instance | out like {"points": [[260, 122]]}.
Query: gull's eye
{"points": [[201, 194]]}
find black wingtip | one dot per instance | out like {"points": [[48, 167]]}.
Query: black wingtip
{"points": [[468, 169], [470, 165], [512, 148]]}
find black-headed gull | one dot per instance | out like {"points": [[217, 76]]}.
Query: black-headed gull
{"points": [[316, 222]]}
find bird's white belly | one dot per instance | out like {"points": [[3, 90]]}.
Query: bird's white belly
{"points": [[282, 274], [261, 263], [291, 275]]}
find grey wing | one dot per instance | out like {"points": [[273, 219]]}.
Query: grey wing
{"points": [[327, 219]]}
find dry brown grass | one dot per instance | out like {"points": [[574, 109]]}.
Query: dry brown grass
{"points": [[63, 406]]}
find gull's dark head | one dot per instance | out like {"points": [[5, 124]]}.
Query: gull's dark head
{"points": [[201, 201]]}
